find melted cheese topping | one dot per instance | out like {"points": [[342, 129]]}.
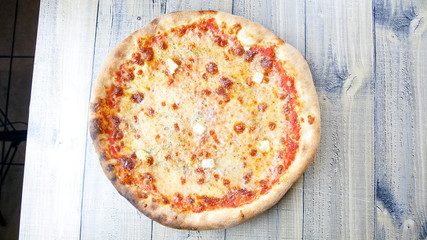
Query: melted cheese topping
{"points": [[185, 116]]}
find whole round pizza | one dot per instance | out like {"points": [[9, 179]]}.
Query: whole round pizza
{"points": [[203, 119]]}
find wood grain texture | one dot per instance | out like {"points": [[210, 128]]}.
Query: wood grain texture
{"points": [[52, 192], [400, 120], [338, 186]]}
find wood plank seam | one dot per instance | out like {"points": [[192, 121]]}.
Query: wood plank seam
{"points": [[374, 65], [87, 128]]}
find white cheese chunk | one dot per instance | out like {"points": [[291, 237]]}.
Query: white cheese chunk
{"points": [[199, 129], [258, 77], [246, 38], [142, 155], [172, 66], [264, 146], [208, 163], [246, 48]]}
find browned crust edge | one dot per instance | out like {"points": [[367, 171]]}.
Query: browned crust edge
{"points": [[294, 63]]}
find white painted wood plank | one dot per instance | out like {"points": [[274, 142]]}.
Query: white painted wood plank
{"points": [[338, 186], [159, 231], [284, 220], [106, 214], [400, 121], [53, 179]]}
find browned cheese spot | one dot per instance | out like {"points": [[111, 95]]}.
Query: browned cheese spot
{"points": [[150, 160], [226, 82], [253, 152], [247, 177], [174, 106], [239, 127], [262, 106], [238, 51], [137, 97], [136, 58], [311, 119], [212, 68], [272, 125], [147, 53], [150, 112], [220, 41], [249, 55], [127, 162]]}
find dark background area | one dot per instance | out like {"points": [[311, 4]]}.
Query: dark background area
{"points": [[18, 30]]}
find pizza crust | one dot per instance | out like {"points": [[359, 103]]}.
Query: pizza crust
{"points": [[251, 33]]}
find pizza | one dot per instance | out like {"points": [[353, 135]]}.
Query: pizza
{"points": [[203, 119]]}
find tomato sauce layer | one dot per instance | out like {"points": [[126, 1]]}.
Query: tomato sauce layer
{"points": [[195, 119]]}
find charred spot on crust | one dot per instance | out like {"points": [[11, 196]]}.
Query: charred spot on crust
{"points": [[207, 12], [96, 128], [142, 195], [103, 156], [155, 21], [109, 167], [96, 106], [310, 119]]}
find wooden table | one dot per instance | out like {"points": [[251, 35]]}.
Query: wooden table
{"points": [[368, 179]]}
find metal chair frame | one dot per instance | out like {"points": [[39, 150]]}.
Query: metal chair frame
{"points": [[15, 137]]}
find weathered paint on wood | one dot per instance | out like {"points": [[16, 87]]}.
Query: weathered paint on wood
{"points": [[338, 186], [54, 166], [400, 119], [368, 179]]}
